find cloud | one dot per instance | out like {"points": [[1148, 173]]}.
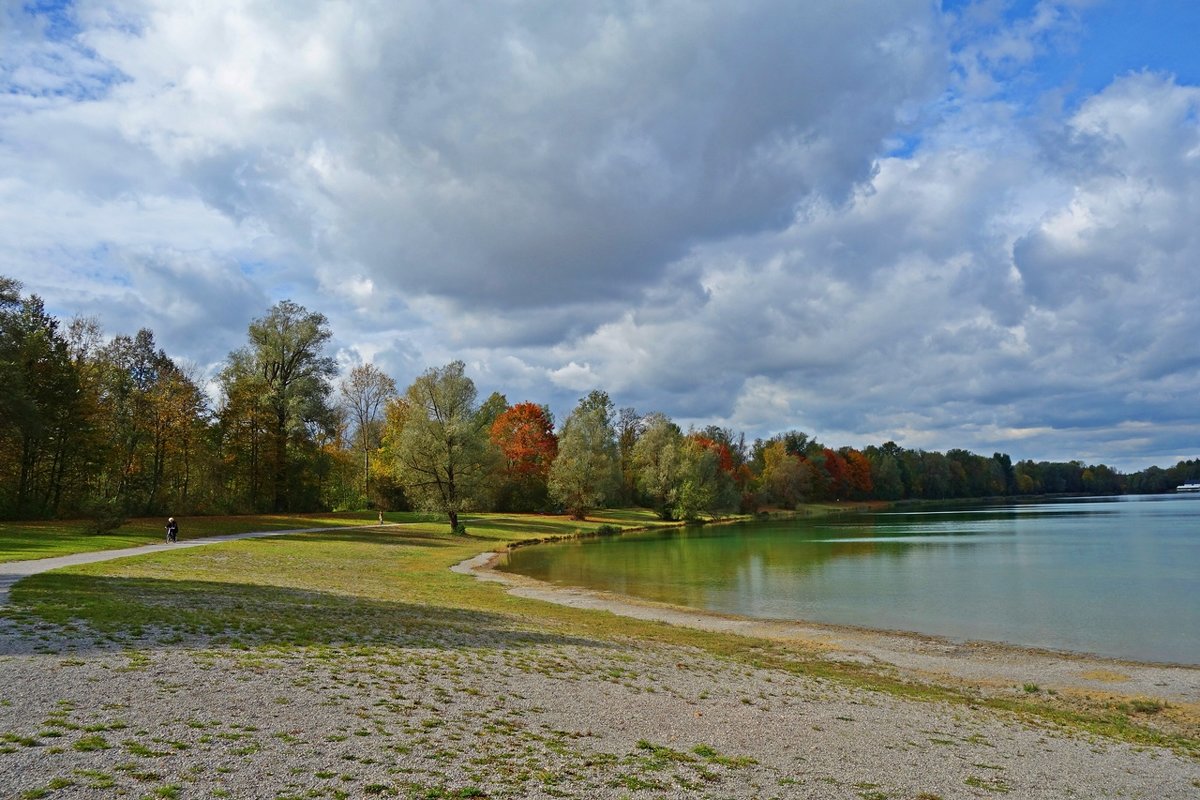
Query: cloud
{"points": [[867, 220], [516, 156], [967, 296]]}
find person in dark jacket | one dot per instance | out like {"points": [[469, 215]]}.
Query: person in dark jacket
{"points": [[172, 529]]}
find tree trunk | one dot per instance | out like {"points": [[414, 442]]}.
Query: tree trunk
{"points": [[281, 470]]}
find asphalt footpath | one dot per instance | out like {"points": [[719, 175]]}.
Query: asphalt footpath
{"points": [[13, 571]]}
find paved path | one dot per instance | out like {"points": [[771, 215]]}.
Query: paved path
{"points": [[13, 571]]}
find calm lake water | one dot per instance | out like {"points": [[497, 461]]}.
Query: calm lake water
{"points": [[1112, 576]]}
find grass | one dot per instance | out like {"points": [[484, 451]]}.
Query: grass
{"points": [[391, 586], [21, 541]]}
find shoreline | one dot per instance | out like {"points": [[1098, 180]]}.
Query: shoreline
{"points": [[995, 668]]}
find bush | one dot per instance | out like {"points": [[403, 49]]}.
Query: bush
{"points": [[104, 517]]}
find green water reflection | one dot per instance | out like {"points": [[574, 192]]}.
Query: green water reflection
{"points": [[1118, 577]]}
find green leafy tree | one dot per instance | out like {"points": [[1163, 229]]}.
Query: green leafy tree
{"points": [[629, 427], [885, 474], [656, 461], [439, 446], [598, 400], [586, 471], [703, 484], [38, 398], [284, 370]]}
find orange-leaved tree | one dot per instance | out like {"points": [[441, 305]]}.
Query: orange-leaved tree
{"points": [[525, 435]]}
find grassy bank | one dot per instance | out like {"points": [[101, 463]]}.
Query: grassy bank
{"points": [[391, 586]]}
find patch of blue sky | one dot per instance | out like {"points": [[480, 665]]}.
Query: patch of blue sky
{"points": [[253, 269], [101, 264], [1090, 44], [901, 145], [58, 65], [1120, 37], [56, 16]]}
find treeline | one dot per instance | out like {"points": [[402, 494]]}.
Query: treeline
{"points": [[111, 427]]}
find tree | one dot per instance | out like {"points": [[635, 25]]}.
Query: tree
{"points": [[490, 409], [365, 391], [1009, 476], [786, 480], [148, 421], [885, 474], [656, 462], [586, 471], [525, 436], [38, 393], [705, 480], [598, 400], [858, 474], [629, 427], [12, 403], [284, 364], [243, 432], [438, 442]]}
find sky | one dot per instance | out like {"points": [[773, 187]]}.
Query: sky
{"points": [[967, 224]]}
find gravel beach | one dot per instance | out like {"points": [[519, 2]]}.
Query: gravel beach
{"points": [[511, 717], [493, 708]]}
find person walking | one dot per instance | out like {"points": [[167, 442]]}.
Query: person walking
{"points": [[172, 530]]}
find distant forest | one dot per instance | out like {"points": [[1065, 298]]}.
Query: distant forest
{"points": [[108, 427]]}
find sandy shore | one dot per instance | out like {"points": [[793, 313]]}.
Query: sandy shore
{"points": [[498, 707]]}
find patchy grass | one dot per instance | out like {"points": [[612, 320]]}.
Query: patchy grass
{"points": [[391, 584], [1142, 706], [988, 784]]}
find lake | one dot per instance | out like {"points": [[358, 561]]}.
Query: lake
{"points": [[1110, 576]]}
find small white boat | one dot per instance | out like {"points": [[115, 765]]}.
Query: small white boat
{"points": [[1188, 487]]}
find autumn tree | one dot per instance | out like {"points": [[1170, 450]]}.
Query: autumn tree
{"points": [[244, 431], [586, 472], [525, 437], [103, 429], [438, 443], [148, 410], [786, 479], [183, 425], [364, 393], [858, 474]]}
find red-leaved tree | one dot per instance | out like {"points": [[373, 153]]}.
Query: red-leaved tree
{"points": [[525, 435]]}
